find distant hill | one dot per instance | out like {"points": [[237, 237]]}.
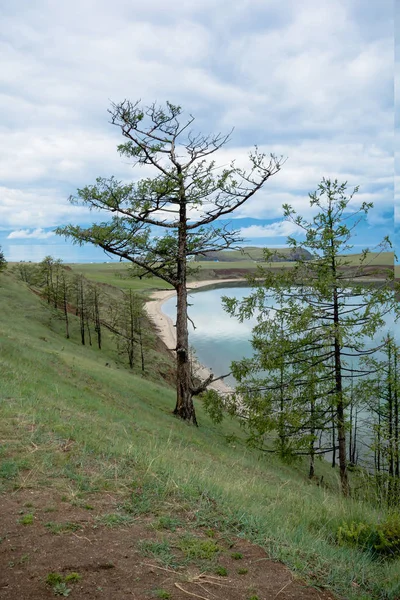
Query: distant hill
{"points": [[256, 254]]}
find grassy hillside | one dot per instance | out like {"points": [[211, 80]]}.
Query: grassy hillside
{"points": [[373, 258], [117, 274], [74, 425]]}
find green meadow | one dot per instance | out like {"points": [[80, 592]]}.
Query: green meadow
{"points": [[117, 273]]}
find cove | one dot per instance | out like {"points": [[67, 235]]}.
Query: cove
{"points": [[219, 338]]}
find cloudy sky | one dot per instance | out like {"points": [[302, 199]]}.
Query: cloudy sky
{"points": [[310, 80]]}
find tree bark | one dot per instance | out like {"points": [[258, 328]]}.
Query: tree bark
{"points": [[184, 390], [340, 404], [184, 401], [311, 471], [65, 306], [340, 408], [97, 326]]}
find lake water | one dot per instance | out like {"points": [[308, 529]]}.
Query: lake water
{"points": [[220, 339]]}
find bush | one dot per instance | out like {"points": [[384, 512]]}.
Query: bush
{"points": [[388, 541], [382, 539]]}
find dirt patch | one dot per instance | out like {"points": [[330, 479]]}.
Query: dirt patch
{"points": [[92, 550]]}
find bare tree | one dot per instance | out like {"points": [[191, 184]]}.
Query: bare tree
{"points": [[125, 323], [186, 194]]}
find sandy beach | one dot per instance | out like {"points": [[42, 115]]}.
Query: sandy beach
{"points": [[166, 329]]}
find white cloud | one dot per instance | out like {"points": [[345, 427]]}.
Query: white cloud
{"points": [[278, 229], [37, 208], [311, 80], [27, 234], [307, 163]]}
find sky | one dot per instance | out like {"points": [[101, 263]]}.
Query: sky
{"points": [[313, 81]]}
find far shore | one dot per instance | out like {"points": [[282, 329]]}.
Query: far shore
{"points": [[166, 328]]}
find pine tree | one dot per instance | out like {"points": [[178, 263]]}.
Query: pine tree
{"points": [[186, 195], [327, 306]]}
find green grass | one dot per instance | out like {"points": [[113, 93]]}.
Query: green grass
{"points": [[67, 527], [117, 274], [27, 519], [162, 594], [373, 259], [124, 439], [114, 520], [195, 548], [159, 550]]}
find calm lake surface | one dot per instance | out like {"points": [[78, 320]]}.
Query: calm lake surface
{"points": [[218, 338]]}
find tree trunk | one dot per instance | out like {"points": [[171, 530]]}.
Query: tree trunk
{"points": [[351, 432], [131, 325], [88, 329], [97, 326], [82, 311], [396, 416], [184, 401], [333, 432], [340, 405], [354, 457], [184, 398], [340, 408], [65, 304], [139, 328], [311, 471]]}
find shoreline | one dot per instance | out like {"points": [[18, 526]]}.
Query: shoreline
{"points": [[166, 329]]}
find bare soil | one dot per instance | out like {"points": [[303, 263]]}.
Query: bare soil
{"points": [[111, 561]]}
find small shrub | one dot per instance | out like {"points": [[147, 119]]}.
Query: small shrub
{"points": [[382, 539], [221, 571], [54, 578], [210, 533], [388, 537], [242, 571], [26, 519], [9, 469], [61, 589], [197, 548], [72, 577], [354, 534], [236, 555], [59, 583]]}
